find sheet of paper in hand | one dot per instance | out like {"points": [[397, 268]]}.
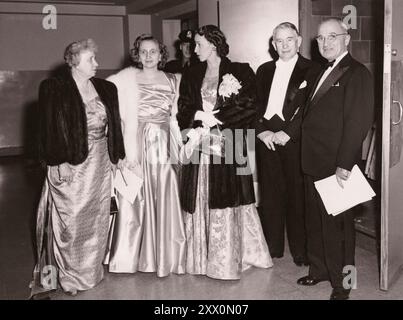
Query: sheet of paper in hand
{"points": [[128, 184], [336, 199]]}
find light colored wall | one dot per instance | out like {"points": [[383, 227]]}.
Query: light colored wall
{"points": [[26, 45], [397, 35], [207, 12], [170, 32], [138, 24], [28, 52], [156, 26], [248, 25]]}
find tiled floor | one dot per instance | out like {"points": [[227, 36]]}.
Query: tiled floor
{"points": [[20, 186]]}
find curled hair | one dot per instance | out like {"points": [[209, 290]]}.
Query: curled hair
{"points": [[74, 49], [135, 52], [215, 36], [285, 25]]}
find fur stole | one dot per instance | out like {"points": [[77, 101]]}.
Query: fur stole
{"points": [[128, 95]]}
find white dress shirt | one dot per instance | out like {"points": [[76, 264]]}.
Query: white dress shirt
{"points": [[279, 86], [328, 70]]}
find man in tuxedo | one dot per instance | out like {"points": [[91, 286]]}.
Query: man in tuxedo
{"points": [[336, 119], [281, 90]]}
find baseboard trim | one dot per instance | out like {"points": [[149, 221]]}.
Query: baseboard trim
{"points": [[11, 151]]}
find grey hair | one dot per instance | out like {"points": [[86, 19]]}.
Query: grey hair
{"points": [[74, 49], [285, 25], [338, 21]]}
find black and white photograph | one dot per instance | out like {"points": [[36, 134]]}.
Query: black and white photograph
{"points": [[202, 155]]}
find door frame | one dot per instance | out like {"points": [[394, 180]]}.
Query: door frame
{"points": [[386, 279]]}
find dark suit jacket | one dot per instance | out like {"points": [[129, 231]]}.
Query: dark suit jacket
{"points": [[304, 70], [337, 120], [226, 187], [63, 135], [175, 66]]}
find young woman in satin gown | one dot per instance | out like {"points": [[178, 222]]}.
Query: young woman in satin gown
{"points": [[149, 234]]}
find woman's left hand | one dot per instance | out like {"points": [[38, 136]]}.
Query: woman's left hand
{"points": [[65, 173], [121, 163], [135, 168]]}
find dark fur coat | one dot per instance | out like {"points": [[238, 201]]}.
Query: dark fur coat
{"points": [[63, 135], [226, 187]]}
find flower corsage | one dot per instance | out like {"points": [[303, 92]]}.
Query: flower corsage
{"points": [[229, 85]]}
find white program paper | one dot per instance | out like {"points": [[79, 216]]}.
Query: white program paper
{"points": [[127, 183], [336, 199]]}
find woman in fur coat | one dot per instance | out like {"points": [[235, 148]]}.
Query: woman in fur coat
{"points": [[223, 230], [79, 138]]}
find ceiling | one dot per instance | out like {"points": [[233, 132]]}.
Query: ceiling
{"points": [[133, 6]]}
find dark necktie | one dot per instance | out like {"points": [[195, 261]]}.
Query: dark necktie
{"points": [[329, 64]]}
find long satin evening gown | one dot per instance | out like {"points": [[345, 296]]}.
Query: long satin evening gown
{"points": [[149, 235], [73, 218]]}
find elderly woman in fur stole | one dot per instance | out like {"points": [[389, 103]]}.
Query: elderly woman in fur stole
{"points": [[148, 235], [80, 135], [223, 230]]}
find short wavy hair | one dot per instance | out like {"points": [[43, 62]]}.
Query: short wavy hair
{"points": [[338, 21], [135, 52], [285, 25], [215, 36], [73, 51]]}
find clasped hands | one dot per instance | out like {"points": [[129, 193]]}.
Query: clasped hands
{"points": [[270, 138]]}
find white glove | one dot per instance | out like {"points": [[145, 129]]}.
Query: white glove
{"points": [[195, 136], [208, 118]]}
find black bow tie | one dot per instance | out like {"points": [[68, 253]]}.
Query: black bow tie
{"points": [[329, 64]]}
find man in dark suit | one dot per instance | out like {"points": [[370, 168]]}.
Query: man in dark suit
{"points": [[281, 90], [336, 119]]}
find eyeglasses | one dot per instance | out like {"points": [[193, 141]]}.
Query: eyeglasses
{"points": [[152, 52], [330, 38]]}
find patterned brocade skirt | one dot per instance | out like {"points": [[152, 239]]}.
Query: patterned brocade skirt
{"points": [[72, 224], [221, 243]]}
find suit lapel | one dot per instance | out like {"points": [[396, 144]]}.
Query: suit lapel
{"points": [[267, 82], [313, 88], [328, 83], [331, 79], [264, 85], [296, 78]]}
